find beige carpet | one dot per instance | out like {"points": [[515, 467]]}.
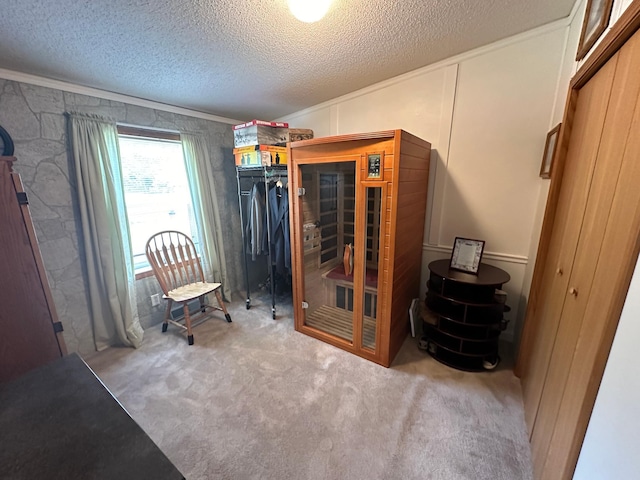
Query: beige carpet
{"points": [[254, 399]]}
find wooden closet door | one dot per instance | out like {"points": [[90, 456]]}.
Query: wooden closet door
{"points": [[579, 166], [604, 262], [590, 252]]}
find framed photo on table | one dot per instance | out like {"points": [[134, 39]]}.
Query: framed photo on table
{"points": [[596, 20], [550, 148], [466, 255]]}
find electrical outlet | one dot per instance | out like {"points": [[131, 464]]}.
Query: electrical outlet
{"points": [[155, 300]]}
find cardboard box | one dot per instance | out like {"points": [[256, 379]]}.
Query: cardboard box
{"points": [[297, 134], [259, 132], [260, 155]]}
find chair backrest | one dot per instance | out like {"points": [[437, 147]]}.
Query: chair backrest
{"points": [[173, 258]]}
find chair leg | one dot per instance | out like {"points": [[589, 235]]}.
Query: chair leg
{"points": [[202, 304], [187, 322], [221, 303], [167, 312]]}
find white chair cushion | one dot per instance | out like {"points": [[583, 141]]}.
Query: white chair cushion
{"points": [[191, 291]]}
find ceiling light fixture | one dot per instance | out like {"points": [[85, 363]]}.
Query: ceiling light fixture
{"points": [[309, 11]]}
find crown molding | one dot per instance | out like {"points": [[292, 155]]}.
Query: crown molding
{"points": [[577, 6], [521, 37], [104, 94]]}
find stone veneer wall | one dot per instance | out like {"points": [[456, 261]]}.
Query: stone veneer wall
{"points": [[34, 117]]}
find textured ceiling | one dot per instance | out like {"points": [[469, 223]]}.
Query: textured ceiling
{"points": [[247, 59]]}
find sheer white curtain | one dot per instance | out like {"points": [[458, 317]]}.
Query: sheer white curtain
{"points": [[205, 205], [105, 230]]}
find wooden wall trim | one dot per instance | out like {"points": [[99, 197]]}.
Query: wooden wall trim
{"points": [[623, 30]]}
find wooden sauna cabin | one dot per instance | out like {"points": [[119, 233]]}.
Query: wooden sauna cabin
{"points": [[358, 206]]}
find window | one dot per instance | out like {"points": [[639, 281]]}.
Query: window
{"points": [[156, 188]]}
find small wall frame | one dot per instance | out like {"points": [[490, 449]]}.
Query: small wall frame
{"points": [[466, 255], [550, 152], [596, 20]]}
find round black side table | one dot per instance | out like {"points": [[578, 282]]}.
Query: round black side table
{"points": [[467, 316]]}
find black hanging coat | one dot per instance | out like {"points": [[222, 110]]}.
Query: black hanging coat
{"points": [[279, 218]]}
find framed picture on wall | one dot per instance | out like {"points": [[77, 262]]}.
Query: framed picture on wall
{"points": [[596, 20], [466, 255], [550, 149]]}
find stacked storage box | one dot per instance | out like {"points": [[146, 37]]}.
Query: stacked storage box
{"points": [[297, 134], [260, 155], [260, 143], [259, 132]]}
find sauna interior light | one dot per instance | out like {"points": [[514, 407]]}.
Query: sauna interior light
{"points": [[309, 11]]}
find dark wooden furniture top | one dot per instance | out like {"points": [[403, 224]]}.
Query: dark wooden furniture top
{"points": [[60, 422], [487, 274]]}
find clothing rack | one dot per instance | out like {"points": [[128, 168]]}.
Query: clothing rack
{"points": [[247, 177]]}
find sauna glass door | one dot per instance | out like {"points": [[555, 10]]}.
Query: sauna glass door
{"points": [[328, 227], [341, 231]]}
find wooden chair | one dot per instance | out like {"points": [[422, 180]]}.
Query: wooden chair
{"points": [[172, 255]]}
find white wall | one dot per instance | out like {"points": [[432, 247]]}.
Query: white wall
{"points": [[486, 114]]}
